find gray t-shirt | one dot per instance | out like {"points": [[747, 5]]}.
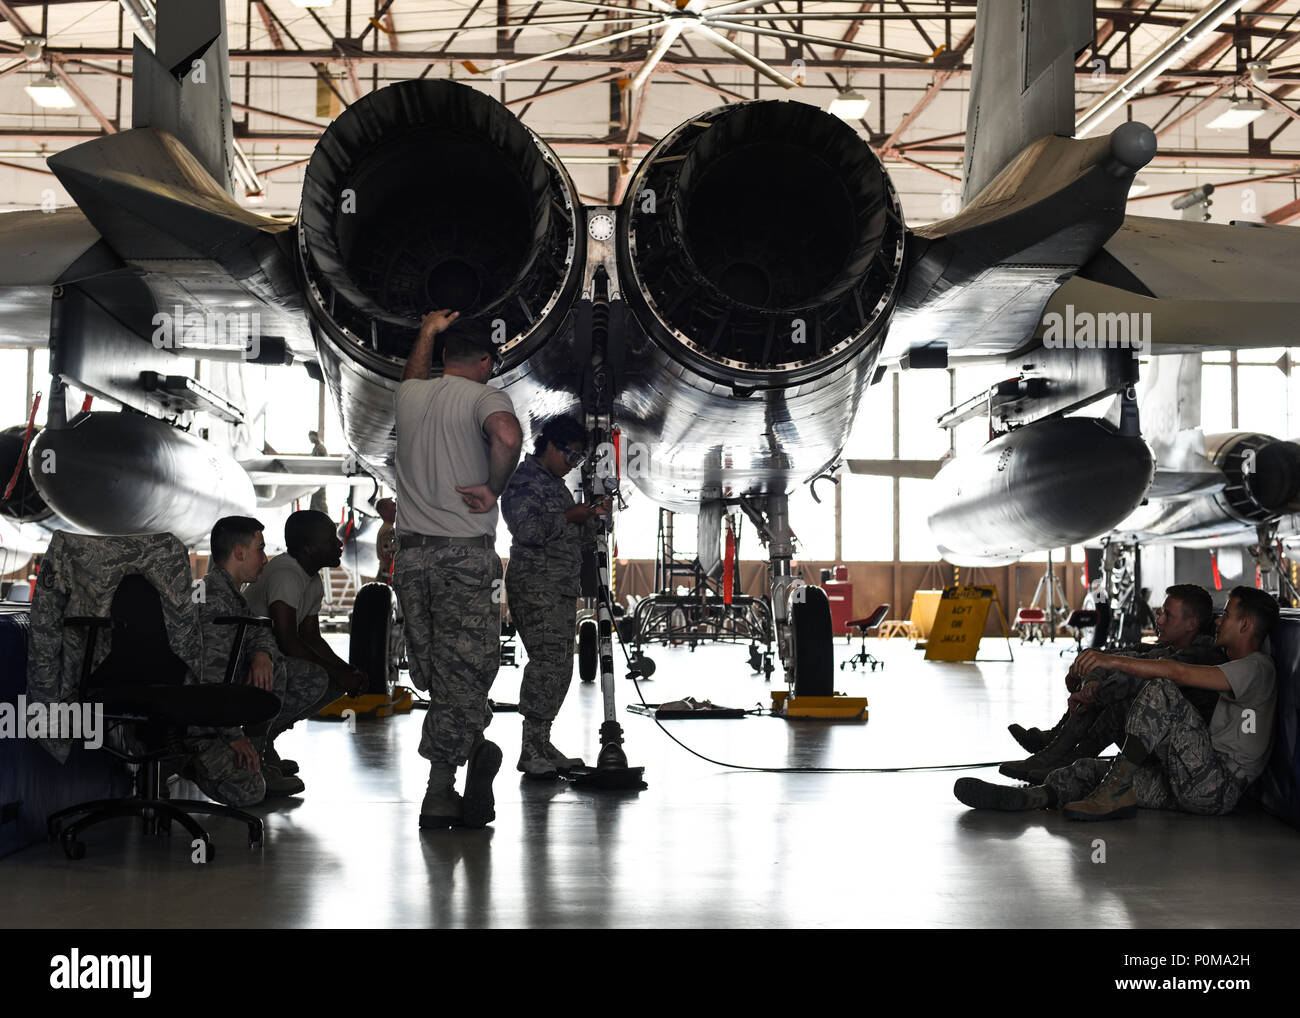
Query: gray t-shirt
{"points": [[1253, 681], [441, 445], [283, 579]]}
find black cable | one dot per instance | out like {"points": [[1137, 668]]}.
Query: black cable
{"points": [[634, 676]]}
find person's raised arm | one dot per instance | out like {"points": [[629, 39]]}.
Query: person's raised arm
{"points": [[420, 361]]}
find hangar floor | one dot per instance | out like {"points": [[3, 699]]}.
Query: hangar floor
{"points": [[703, 846]]}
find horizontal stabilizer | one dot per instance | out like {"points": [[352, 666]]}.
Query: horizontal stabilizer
{"points": [[924, 469], [302, 470], [152, 201]]}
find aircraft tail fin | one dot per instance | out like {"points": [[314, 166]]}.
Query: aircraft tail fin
{"points": [[183, 85], [1022, 86]]}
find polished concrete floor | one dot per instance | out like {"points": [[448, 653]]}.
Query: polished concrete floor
{"points": [[704, 845]]}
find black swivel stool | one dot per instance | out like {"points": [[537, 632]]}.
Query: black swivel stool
{"points": [[1079, 620], [863, 625]]}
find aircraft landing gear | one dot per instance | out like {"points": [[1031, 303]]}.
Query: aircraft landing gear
{"points": [[801, 612]]}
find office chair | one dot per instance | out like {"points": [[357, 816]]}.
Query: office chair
{"points": [[142, 682]]}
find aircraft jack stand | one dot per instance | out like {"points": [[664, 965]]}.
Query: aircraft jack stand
{"points": [[611, 773], [810, 708], [370, 705]]}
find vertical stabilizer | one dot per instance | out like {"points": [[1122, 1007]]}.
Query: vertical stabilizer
{"points": [[1022, 84], [183, 85]]}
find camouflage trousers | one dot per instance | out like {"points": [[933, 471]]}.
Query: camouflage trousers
{"points": [[220, 777], [546, 623], [1182, 770], [303, 688], [451, 611]]}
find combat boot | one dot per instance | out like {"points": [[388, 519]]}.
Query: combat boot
{"points": [[534, 761], [985, 795], [1031, 740], [1114, 799], [562, 763], [1060, 751], [279, 784], [479, 804], [286, 767], [442, 806]]}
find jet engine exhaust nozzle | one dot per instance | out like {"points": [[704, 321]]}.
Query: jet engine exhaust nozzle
{"points": [[427, 195], [764, 243]]}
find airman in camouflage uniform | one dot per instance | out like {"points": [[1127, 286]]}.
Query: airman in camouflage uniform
{"points": [[1187, 775], [219, 769], [1100, 698], [542, 583], [458, 443], [1170, 758]]}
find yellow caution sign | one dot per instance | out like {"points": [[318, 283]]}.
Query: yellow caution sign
{"points": [[959, 623]]}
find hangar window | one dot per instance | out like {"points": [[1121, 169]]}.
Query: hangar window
{"points": [[13, 385]]}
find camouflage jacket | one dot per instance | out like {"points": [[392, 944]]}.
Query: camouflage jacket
{"points": [[1117, 685], [546, 549], [79, 576], [217, 596]]}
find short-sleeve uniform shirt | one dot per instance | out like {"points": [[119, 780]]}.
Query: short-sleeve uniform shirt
{"points": [[283, 579], [441, 445], [1246, 738]]}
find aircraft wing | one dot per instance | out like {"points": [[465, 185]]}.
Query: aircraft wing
{"points": [[36, 248], [1206, 286], [303, 470]]}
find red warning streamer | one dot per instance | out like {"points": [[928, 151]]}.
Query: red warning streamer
{"points": [[1214, 568], [729, 565], [18, 467]]}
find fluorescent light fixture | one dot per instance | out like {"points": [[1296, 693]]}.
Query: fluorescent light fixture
{"points": [[46, 91], [1239, 113], [850, 104], [1138, 186]]}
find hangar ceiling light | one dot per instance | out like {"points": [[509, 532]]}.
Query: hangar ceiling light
{"points": [[46, 91], [850, 104], [1239, 113]]}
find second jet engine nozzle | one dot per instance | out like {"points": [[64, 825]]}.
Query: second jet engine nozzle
{"points": [[427, 195], [763, 244], [1261, 474], [1050, 484], [123, 473]]}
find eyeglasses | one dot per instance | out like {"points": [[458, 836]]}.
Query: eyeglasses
{"points": [[573, 457]]}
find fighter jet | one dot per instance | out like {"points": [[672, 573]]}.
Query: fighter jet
{"points": [[724, 320]]}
